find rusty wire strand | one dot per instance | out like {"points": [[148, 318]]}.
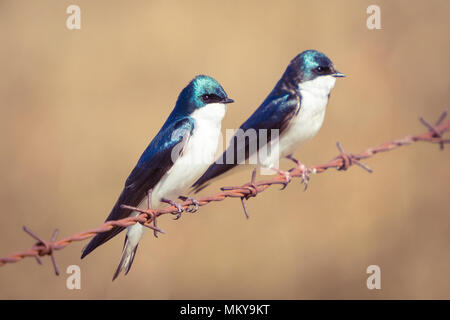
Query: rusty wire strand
{"points": [[149, 217]]}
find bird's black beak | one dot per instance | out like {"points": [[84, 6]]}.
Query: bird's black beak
{"points": [[338, 74], [228, 100]]}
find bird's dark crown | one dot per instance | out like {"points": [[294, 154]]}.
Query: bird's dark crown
{"points": [[309, 65], [202, 90]]}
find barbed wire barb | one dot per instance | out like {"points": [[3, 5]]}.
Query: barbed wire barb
{"points": [[349, 159], [433, 129], [43, 247], [148, 217]]}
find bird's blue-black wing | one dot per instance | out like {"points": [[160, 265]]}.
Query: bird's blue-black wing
{"points": [[274, 113], [156, 160]]}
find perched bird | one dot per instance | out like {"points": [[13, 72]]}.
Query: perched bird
{"points": [[177, 156], [295, 107]]}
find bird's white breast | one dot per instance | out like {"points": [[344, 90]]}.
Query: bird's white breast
{"points": [[198, 153], [309, 119]]}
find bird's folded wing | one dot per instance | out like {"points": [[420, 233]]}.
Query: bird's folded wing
{"points": [[156, 160], [274, 113]]}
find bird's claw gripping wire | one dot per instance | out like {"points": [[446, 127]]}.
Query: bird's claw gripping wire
{"points": [[176, 205], [303, 169], [44, 248], [348, 159], [287, 177], [194, 202]]}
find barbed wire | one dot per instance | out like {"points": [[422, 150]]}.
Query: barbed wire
{"points": [[148, 217]]}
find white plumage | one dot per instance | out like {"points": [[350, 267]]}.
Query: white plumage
{"points": [[306, 123], [198, 153]]}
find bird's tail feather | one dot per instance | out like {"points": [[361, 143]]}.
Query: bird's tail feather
{"points": [[126, 261], [130, 246]]}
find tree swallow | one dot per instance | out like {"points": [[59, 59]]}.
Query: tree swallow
{"points": [[295, 107], [177, 156]]}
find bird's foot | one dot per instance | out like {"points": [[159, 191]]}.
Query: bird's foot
{"points": [[194, 202], [303, 169], [305, 176], [176, 205], [287, 177]]}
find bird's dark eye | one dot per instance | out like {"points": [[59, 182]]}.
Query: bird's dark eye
{"points": [[322, 70], [210, 98]]}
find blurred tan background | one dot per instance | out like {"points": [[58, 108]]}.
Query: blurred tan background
{"points": [[77, 108]]}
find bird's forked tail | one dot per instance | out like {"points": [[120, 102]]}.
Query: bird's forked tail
{"points": [[134, 234]]}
